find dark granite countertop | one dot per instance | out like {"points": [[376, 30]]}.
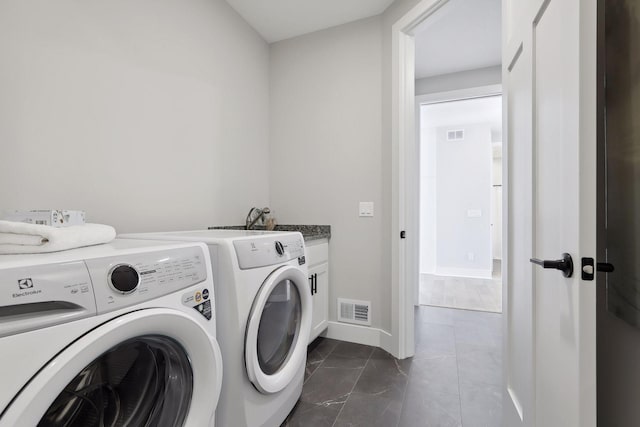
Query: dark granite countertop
{"points": [[309, 232]]}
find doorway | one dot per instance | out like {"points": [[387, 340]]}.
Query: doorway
{"points": [[460, 180], [406, 84], [458, 349]]}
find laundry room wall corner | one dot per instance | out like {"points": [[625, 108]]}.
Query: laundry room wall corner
{"points": [[325, 151]]}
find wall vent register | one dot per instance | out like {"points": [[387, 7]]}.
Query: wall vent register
{"points": [[354, 311], [455, 135]]}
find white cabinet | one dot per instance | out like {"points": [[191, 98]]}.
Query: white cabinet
{"points": [[317, 256]]}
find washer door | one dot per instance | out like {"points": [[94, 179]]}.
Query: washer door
{"points": [[278, 329], [154, 367]]}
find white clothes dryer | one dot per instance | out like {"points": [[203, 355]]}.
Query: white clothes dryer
{"points": [[264, 315], [121, 334]]}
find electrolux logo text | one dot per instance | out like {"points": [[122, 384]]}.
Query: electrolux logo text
{"points": [[24, 284]]}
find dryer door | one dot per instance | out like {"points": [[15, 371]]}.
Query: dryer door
{"points": [[278, 330], [150, 367]]}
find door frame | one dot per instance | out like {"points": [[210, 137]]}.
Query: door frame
{"points": [[404, 179], [404, 215]]}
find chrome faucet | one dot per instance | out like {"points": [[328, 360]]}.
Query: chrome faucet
{"points": [[259, 213]]}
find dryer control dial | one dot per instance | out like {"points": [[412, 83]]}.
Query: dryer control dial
{"points": [[279, 248], [124, 278]]}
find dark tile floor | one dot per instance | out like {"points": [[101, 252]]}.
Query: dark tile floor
{"points": [[454, 379]]}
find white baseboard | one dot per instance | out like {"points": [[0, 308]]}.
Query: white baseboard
{"points": [[358, 334], [479, 273], [387, 343]]}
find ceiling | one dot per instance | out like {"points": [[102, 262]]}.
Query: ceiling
{"points": [[463, 35], [277, 20]]}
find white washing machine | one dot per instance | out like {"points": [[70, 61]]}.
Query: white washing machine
{"points": [[121, 334], [264, 315]]}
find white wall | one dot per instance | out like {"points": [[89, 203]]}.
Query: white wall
{"points": [[326, 150], [361, 68], [461, 80], [457, 177], [463, 185], [146, 114], [185, 86], [189, 81]]}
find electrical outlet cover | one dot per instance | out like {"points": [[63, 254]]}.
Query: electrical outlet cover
{"points": [[366, 209]]}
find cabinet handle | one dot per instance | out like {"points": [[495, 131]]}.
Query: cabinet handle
{"points": [[315, 283], [311, 283]]}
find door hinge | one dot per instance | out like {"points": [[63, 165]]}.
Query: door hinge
{"points": [[402, 234]]}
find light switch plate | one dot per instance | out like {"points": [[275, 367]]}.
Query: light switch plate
{"points": [[366, 209]]}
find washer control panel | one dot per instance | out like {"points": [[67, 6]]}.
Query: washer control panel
{"points": [[263, 251], [126, 280]]}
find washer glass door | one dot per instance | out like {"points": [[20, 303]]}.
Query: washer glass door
{"points": [[145, 381], [150, 367], [278, 330], [279, 326]]}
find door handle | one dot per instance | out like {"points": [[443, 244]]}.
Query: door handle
{"points": [[565, 264]]}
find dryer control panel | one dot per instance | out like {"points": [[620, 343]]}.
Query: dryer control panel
{"points": [[121, 281], [263, 251]]}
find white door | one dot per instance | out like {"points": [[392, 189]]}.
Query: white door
{"points": [[550, 79], [278, 330]]}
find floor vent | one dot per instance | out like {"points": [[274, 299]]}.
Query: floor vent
{"points": [[353, 311]]}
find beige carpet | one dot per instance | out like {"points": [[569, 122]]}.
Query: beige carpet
{"points": [[462, 292]]}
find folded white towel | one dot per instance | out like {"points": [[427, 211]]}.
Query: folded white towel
{"points": [[23, 238]]}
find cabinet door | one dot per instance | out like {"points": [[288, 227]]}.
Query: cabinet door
{"points": [[319, 288]]}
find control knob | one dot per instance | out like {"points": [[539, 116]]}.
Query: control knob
{"points": [[124, 278], [279, 248]]}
